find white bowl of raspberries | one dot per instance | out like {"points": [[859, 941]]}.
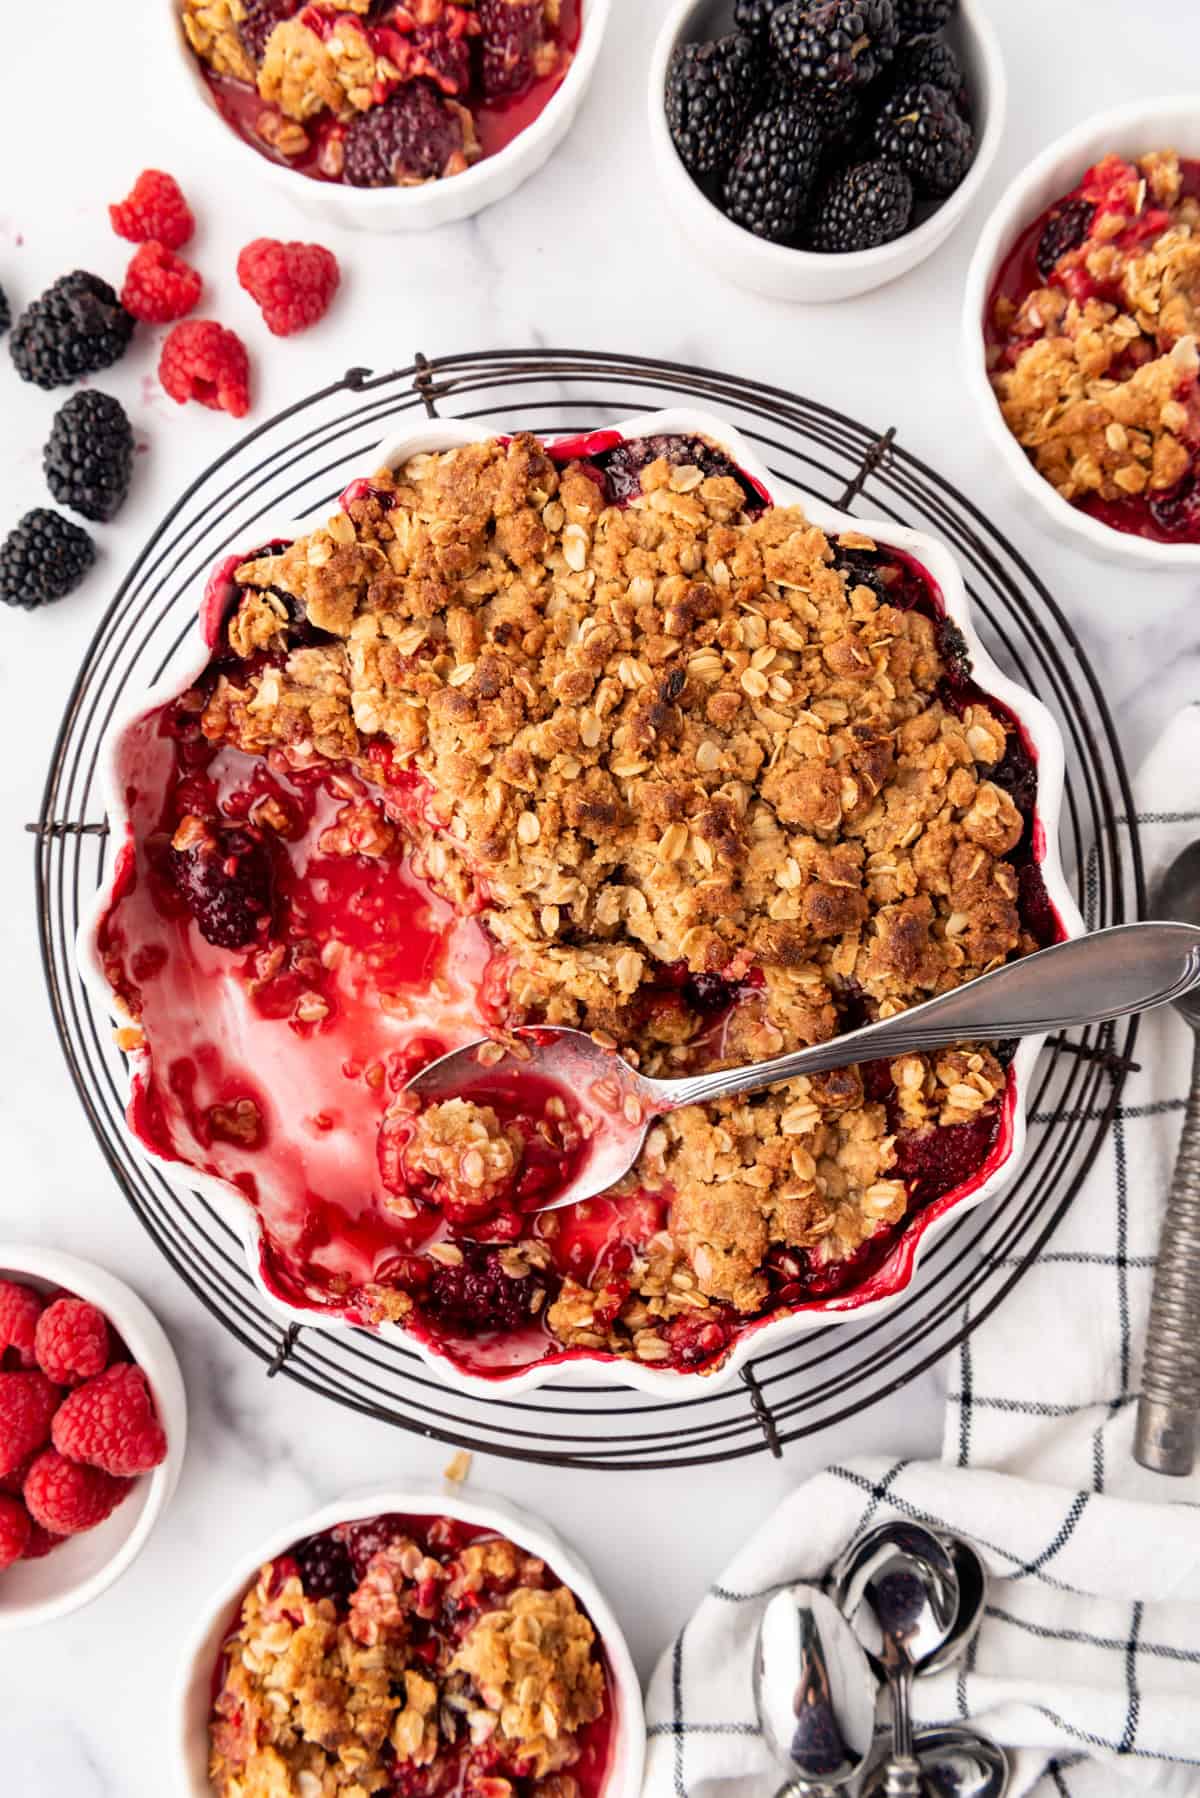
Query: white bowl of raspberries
{"points": [[816, 149], [93, 1421]]}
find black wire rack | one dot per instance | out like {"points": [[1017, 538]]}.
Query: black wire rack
{"points": [[295, 465]]}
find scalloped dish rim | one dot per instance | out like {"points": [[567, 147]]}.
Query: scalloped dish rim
{"points": [[771, 1332]]}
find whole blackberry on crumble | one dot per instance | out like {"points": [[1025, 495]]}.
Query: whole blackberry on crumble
{"points": [[511, 34], [921, 129], [866, 205], [936, 62], [922, 18], [774, 172], [43, 559], [88, 457], [834, 43], [5, 314], [478, 1296], [754, 16], [261, 18], [711, 91], [225, 882], [1065, 229], [77, 327], [414, 136], [326, 1570], [622, 466]]}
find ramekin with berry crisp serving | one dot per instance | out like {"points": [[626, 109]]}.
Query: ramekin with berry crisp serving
{"points": [[1080, 334], [417, 1643], [390, 115], [593, 733]]}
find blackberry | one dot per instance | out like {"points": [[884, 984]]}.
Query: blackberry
{"points": [[43, 559], [1177, 512], [225, 882], [261, 18], [754, 16], [921, 129], [1064, 231], [411, 137], [867, 204], [5, 314], [935, 62], [834, 43], [511, 33], [622, 467], [326, 1570], [774, 172], [366, 1539], [478, 1296], [448, 57], [710, 94], [89, 456], [77, 327], [922, 18], [839, 110]]}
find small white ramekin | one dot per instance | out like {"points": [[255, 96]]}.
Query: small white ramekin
{"points": [[194, 1691], [85, 1566], [1132, 130], [396, 208], [777, 270]]}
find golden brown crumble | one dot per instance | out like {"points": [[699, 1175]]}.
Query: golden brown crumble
{"points": [[211, 28], [322, 1701], [1096, 372]]}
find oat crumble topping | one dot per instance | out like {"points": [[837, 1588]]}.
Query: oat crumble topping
{"points": [[681, 736], [1095, 367], [371, 1661]]}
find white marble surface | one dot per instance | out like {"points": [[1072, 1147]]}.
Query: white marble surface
{"points": [[582, 256]]}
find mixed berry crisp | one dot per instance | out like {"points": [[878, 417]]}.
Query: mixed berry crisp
{"points": [[381, 93], [1091, 331], [593, 735], [411, 1655]]}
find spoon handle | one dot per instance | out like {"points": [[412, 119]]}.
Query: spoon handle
{"points": [[1108, 974], [902, 1774], [1170, 1401]]}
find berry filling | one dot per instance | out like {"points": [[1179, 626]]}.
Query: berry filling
{"points": [[1091, 344], [289, 942], [393, 94], [464, 1666]]}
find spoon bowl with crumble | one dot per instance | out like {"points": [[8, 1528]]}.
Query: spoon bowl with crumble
{"points": [[597, 1110]]}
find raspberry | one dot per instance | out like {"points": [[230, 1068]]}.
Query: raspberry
{"points": [[155, 208], [293, 283], [66, 1498], [41, 1542], [203, 361], [14, 1482], [111, 1424], [15, 1529], [28, 1401], [20, 1308], [159, 286], [72, 1341], [225, 882]]}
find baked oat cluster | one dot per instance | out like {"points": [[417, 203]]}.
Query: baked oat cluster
{"points": [[703, 776], [1095, 365], [396, 1655], [373, 92]]}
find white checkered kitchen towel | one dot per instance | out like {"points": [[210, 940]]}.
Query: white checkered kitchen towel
{"points": [[1088, 1664]]}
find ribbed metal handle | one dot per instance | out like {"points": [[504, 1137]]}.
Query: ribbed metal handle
{"points": [[1170, 1401]]}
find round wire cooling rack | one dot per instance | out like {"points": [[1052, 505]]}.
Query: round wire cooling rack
{"points": [[297, 463]]}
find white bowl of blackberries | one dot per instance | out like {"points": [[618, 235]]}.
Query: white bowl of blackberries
{"points": [[814, 149]]}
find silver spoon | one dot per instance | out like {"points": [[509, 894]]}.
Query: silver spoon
{"points": [[972, 1602], [899, 1591], [1167, 1410], [954, 1763], [814, 1693], [1106, 975]]}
